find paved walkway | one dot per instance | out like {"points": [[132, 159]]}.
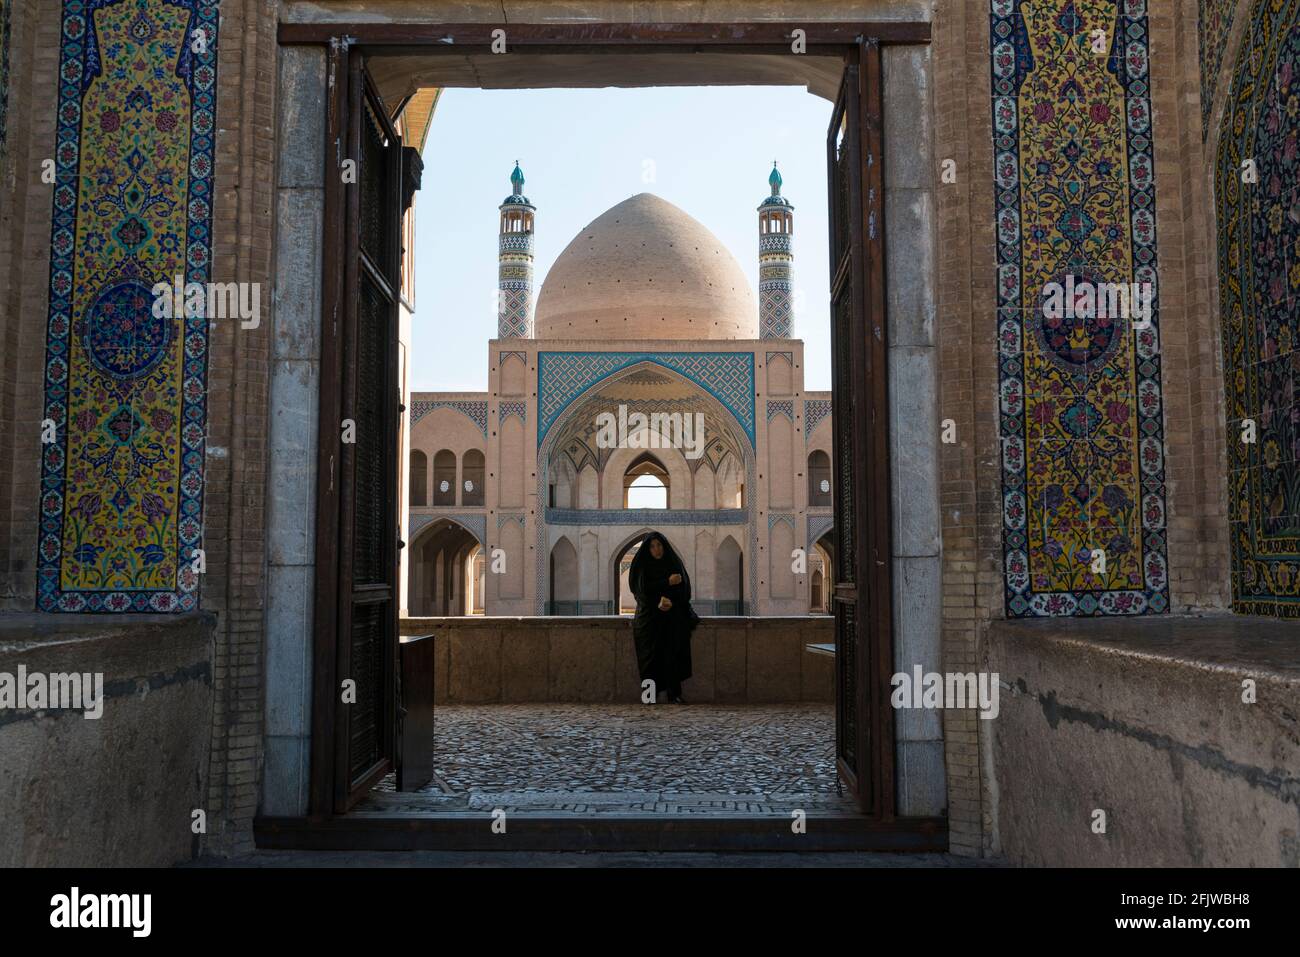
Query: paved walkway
{"points": [[627, 759]]}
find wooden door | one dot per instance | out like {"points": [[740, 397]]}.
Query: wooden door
{"points": [[862, 599], [357, 545]]}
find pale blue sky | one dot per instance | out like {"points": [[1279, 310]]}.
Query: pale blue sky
{"points": [[709, 150]]}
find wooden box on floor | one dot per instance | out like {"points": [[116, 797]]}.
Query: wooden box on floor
{"points": [[415, 721]]}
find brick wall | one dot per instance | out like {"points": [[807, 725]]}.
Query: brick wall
{"points": [[25, 205], [969, 476], [238, 416]]}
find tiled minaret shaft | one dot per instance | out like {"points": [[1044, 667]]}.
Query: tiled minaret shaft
{"points": [[775, 263], [515, 263]]}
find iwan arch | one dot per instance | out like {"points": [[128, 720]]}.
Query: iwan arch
{"points": [[981, 533]]}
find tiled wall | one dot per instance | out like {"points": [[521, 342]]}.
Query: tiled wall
{"points": [[1259, 298], [121, 505], [1214, 22], [1081, 420], [5, 10]]}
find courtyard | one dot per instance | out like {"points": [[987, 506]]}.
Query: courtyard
{"points": [[591, 759]]}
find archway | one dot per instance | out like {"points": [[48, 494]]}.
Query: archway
{"points": [[646, 484], [824, 584], [711, 480], [858, 304], [442, 578]]}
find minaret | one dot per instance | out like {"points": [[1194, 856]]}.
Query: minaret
{"points": [[775, 259], [515, 263]]}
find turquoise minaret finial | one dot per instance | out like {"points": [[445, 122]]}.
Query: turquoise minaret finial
{"points": [[775, 262], [515, 263]]}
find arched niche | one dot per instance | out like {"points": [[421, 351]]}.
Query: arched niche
{"points": [[418, 493], [564, 578], [444, 477], [819, 478]]}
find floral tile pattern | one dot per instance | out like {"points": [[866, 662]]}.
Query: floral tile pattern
{"points": [[1259, 292], [1080, 400], [4, 68], [122, 481], [1214, 25]]}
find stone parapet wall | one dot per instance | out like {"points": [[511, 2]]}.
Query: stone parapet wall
{"points": [[519, 660], [119, 790], [1145, 721]]}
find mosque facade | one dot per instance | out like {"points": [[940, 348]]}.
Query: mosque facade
{"points": [[645, 386]]}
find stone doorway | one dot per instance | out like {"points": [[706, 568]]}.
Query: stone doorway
{"points": [[417, 43]]}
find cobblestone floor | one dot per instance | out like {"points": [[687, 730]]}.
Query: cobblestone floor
{"points": [[627, 759]]}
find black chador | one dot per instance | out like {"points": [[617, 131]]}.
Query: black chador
{"points": [[663, 635]]}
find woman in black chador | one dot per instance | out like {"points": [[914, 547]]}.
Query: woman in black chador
{"points": [[664, 617]]}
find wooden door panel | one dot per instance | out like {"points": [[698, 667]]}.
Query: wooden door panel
{"points": [[357, 558], [860, 451]]}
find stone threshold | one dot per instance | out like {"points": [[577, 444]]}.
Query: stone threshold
{"points": [[615, 832]]}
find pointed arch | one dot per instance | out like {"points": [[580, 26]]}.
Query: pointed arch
{"points": [[444, 477], [418, 491], [564, 378], [565, 577], [514, 374], [729, 578], [473, 470], [440, 570], [742, 459], [819, 478]]}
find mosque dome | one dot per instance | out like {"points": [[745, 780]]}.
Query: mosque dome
{"points": [[645, 269]]}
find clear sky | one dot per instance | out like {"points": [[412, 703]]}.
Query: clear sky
{"points": [[707, 149]]}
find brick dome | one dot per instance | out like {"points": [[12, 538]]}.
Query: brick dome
{"points": [[645, 269]]}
